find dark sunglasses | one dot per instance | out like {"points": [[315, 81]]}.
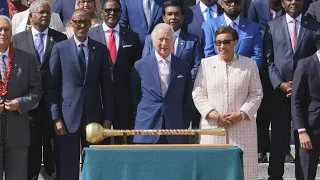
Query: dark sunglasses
{"points": [[109, 10], [225, 42], [80, 22], [230, 2]]}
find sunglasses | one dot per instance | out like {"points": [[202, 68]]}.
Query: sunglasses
{"points": [[230, 2], [225, 42], [81, 22], [109, 10]]}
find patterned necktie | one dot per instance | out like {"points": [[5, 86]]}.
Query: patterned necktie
{"points": [[39, 46], [209, 16], [3, 68], [147, 10], [233, 25], [112, 45], [164, 76], [293, 35], [82, 59]]}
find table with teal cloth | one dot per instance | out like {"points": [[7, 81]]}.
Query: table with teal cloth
{"points": [[163, 164]]}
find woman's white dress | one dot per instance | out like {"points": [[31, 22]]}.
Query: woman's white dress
{"points": [[227, 88]]}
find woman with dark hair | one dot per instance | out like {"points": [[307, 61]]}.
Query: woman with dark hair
{"points": [[227, 92]]}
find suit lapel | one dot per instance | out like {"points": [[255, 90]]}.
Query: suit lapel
{"points": [[316, 64], [220, 10], [91, 49], [266, 10], [241, 28], [122, 34], [173, 72], [101, 34], [155, 71], [74, 56], [155, 10], [198, 14], [49, 44], [181, 44], [139, 3], [30, 43], [302, 32], [285, 31]]}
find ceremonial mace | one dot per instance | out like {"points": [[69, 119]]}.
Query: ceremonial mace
{"points": [[96, 133]]}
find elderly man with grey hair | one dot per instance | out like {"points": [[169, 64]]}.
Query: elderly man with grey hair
{"points": [[161, 86], [21, 21], [38, 41], [20, 92]]}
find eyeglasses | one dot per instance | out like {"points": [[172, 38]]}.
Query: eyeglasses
{"points": [[87, 1], [232, 2], [109, 10], [225, 42], [81, 22]]}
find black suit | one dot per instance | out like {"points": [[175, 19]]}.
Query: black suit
{"points": [[129, 51], [282, 62], [305, 107], [314, 10], [41, 127]]}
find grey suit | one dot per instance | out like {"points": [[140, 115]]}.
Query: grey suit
{"points": [[314, 10], [25, 87]]}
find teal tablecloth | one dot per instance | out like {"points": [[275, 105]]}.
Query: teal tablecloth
{"points": [[163, 164]]}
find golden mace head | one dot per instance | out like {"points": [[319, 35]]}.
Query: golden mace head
{"points": [[94, 133]]}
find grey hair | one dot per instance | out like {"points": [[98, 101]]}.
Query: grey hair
{"points": [[162, 26], [7, 19], [36, 4]]}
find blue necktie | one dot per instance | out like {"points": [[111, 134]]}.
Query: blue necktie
{"points": [[209, 16], [39, 46], [233, 25], [82, 59]]}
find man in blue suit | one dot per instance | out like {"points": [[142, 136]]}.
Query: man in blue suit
{"points": [[4, 8], [287, 39], [250, 41], [80, 91], [64, 9], [141, 16], [305, 106], [197, 14], [161, 87], [263, 11], [187, 46]]}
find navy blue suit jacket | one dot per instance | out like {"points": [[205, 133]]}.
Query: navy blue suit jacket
{"points": [[259, 12], [151, 107], [193, 19], [133, 17], [188, 49], [4, 10], [64, 8], [305, 102], [249, 43], [71, 91], [281, 59]]}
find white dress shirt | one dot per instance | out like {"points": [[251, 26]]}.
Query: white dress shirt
{"points": [[318, 55], [289, 23], [6, 53], [44, 37], [203, 8], [85, 47], [177, 33], [229, 21], [115, 34], [164, 72], [151, 5]]}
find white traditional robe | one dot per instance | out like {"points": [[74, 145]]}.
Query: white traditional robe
{"points": [[227, 88]]}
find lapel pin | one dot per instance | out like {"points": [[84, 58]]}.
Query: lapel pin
{"points": [[305, 22], [94, 48], [242, 25], [51, 38]]}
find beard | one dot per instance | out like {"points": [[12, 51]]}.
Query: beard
{"points": [[233, 14]]}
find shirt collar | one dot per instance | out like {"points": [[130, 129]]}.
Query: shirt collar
{"points": [[78, 42], [106, 28], [6, 53], [228, 20], [159, 58], [35, 32], [203, 7], [289, 18], [318, 55], [177, 32]]}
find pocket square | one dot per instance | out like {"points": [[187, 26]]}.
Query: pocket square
{"points": [[249, 37], [126, 46], [180, 76]]}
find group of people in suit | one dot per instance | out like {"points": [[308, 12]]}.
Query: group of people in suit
{"points": [[134, 72]]}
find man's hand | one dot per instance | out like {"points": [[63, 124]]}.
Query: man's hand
{"points": [[11, 105], [286, 87], [212, 115], [59, 127], [1, 106], [305, 141], [107, 124], [234, 117]]}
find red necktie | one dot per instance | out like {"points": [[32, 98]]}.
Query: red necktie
{"points": [[112, 45]]}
